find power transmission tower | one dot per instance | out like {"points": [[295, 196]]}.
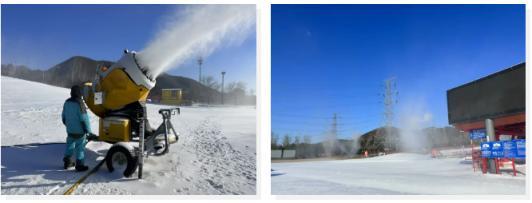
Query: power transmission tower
{"points": [[334, 127], [389, 100], [330, 147]]}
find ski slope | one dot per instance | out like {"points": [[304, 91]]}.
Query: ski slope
{"points": [[395, 174], [214, 156]]}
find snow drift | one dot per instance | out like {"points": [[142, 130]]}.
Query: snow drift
{"points": [[395, 174]]}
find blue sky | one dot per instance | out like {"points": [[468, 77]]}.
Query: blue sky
{"points": [[41, 36], [330, 59]]}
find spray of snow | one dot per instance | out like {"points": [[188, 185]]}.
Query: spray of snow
{"points": [[355, 146], [330, 144], [196, 30], [412, 119], [333, 147]]}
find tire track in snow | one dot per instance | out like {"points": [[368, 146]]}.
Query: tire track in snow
{"points": [[219, 163], [202, 162]]}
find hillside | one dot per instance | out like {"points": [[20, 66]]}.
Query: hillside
{"points": [[74, 70], [382, 140], [388, 140], [79, 69]]}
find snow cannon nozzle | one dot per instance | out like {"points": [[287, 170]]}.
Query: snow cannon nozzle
{"points": [[132, 64], [144, 69]]}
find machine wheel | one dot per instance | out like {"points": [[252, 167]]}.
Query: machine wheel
{"points": [[121, 158]]}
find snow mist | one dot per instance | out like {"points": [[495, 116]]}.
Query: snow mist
{"points": [[412, 119], [330, 144], [196, 30]]}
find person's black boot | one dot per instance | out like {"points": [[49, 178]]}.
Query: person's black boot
{"points": [[80, 166], [67, 163]]}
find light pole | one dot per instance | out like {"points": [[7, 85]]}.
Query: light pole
{"points": [[200, 62], [223, 75]]}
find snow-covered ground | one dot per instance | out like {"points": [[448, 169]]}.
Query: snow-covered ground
{"points": [[395, 174], [216, 153]]}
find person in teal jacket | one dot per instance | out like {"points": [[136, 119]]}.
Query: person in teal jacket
{"points": [[77, 123]]}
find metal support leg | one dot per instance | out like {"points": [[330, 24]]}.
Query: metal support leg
{"points": [[497, 164], [141, 141], [484, 165], [513, 166], [490, 132], [166, 142]]}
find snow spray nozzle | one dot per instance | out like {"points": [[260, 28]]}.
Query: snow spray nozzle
{"points": [[143, 68], [132, 64]]}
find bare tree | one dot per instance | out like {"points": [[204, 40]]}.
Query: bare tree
{"points": [[251, 91], [307, 139], [237, 90], [210, 82], [297, 140], [275, 140], [286, 140]]}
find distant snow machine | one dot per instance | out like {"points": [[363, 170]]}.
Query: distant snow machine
{"points": [[118, 96]]}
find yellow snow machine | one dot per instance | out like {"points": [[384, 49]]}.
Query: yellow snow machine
{"points": [[118, 97]]}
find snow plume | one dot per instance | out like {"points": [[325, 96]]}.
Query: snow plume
{"points": [[412, 119], [355, 145], [196, 30], [330, 144]]}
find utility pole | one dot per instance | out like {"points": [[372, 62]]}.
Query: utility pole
{"points": [[200, 62], [223, 75]]}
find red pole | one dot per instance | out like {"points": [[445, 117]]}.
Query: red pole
{"points": [[484, 165], [473, 157], [513, 166]]}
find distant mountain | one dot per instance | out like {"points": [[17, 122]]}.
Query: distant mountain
{"points": [[79, 69], [380, 140], [75, 70], [388, 139], [192, 90]]}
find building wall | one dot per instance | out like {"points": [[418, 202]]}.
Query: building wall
{"points": [[497, 95], [500, 97]]}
